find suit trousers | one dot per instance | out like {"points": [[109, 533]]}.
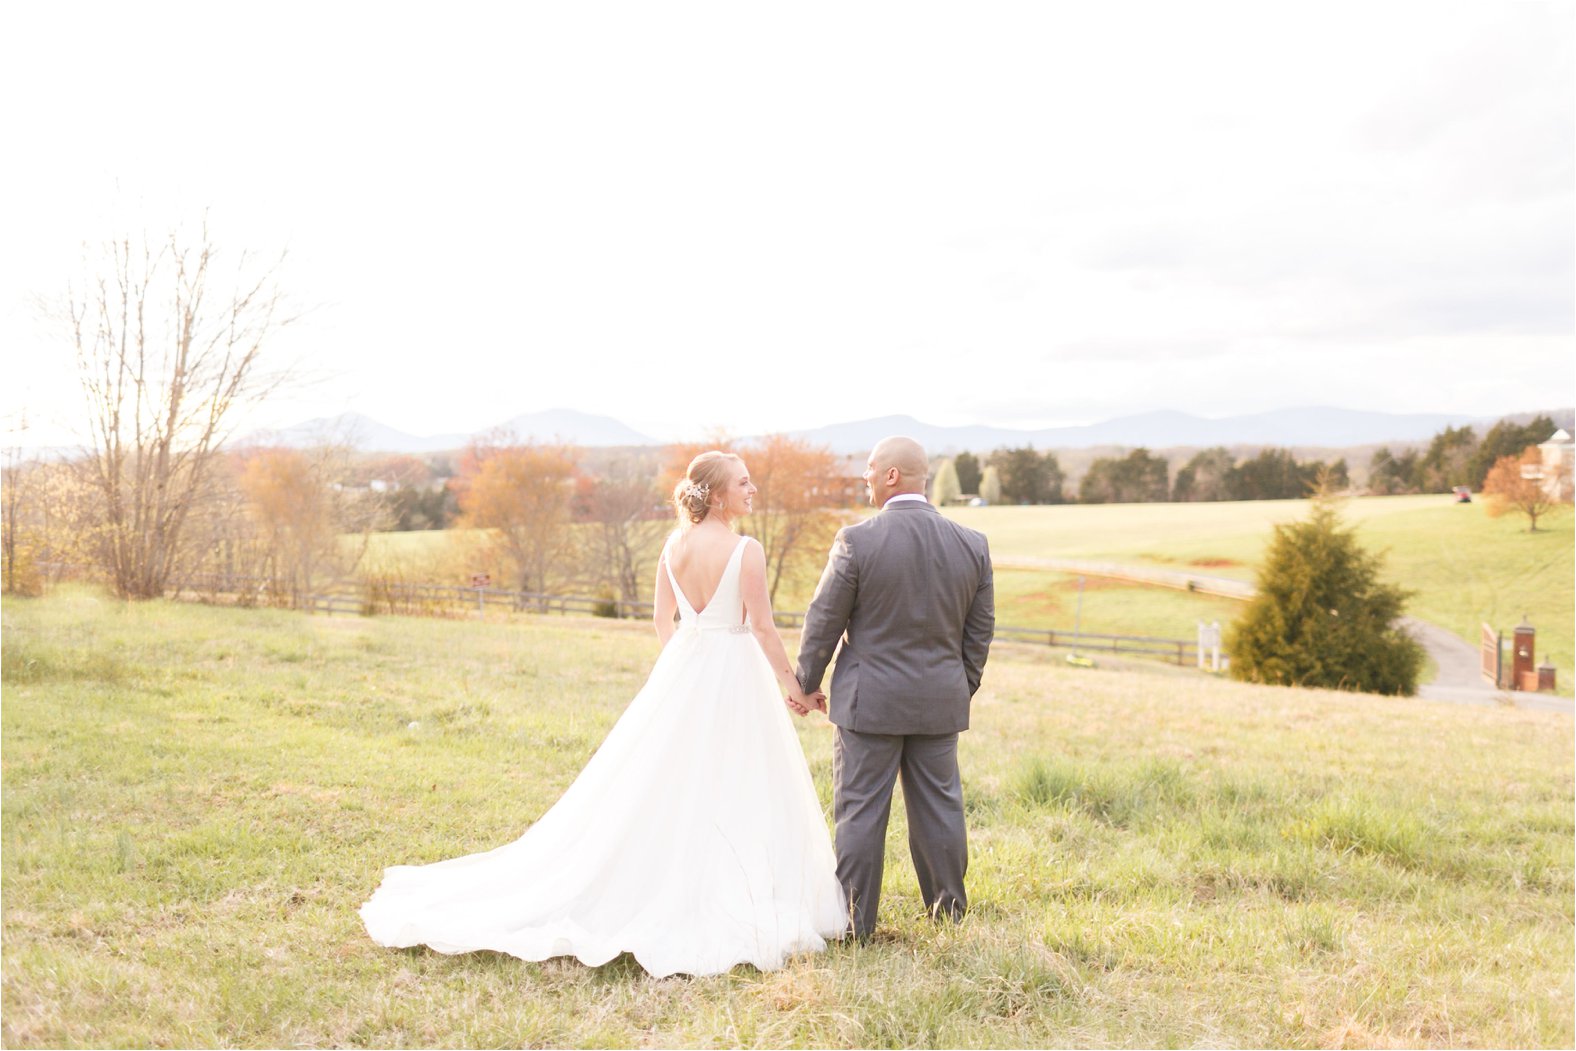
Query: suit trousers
{"points": [[864, 768]]}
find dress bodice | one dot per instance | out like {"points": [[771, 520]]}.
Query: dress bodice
{"points": [[725, 611]]}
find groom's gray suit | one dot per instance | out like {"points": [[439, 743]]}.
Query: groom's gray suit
{"points": [[908, 605]]}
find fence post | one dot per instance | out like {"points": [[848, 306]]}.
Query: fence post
{"points": [[1209, 642]]}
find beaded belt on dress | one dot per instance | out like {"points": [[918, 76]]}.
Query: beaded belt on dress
{"points": [[732, 629]]}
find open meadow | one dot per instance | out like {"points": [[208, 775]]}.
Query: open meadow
{"points": [[1026, 598], [197, 799], [1464, 567]]}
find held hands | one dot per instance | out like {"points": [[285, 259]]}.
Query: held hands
{"points": [[802, 704]]}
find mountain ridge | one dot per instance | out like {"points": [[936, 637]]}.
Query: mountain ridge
{"points": [[1312, 426]]}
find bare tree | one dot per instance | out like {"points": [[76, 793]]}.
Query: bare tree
{"points": [[628, 519], [169, 344], [20, 478]]}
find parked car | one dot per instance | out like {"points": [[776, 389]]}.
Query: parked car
{"points": [[1463, 494]]}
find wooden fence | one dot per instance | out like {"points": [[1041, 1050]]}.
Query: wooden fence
{"points": [[1180, 650], [460, 601]]}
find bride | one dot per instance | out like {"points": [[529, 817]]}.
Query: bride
{"points": [[693, 838]]}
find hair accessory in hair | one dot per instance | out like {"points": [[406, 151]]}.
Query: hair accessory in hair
{"points": [[697, 492]]}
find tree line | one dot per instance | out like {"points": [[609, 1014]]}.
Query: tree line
{"points": [[1455, 456], [546, 518], [1029, 476], [169, 331]]}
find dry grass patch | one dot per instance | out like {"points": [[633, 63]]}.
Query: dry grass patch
{"points": [[196, 800]]}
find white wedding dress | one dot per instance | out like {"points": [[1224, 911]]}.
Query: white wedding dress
{"points": [[693, 838]]}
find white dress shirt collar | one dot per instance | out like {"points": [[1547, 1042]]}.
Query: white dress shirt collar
{"points": [[920, 497]]}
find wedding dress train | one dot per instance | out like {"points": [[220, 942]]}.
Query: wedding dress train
{"points": [[693, 838]]}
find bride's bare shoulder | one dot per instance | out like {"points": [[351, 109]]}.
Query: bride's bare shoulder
{"points": [[686, 547]]}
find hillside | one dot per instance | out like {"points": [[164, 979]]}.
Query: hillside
{"points": [[1464, 567], [197, 799]]}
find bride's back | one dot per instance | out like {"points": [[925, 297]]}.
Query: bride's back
{"points": [[698, 558]]}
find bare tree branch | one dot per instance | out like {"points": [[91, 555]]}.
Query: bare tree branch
{"points": [[166, 357]]}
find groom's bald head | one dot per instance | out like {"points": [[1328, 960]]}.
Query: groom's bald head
{"points": [[897, 465]]}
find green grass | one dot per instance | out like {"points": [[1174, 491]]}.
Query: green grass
{"points": [[196, 800], [1465, 567], [1030, 598], [1224, 539], [1026, 598]]}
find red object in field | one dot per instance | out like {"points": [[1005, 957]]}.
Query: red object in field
{"points": [[1522, 649], [1463, 494]]}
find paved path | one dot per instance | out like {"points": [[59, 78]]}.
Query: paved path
{"points": [[1459, 663], [1458, 680]]}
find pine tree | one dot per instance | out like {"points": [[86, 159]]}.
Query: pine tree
{"points": [[1028, 476], [1322, 616], [1505, 439], [968, 467]]}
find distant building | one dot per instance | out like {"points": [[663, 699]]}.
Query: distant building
{"points": [[849, 485], [1559, 456]]}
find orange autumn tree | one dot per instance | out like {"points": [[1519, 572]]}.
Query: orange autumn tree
{"points": [[521, 495], [292, 508], [1520, 484], [798, 508], [797, 511], [676, 458]]}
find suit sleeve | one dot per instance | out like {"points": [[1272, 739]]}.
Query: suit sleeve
{"points": [[979, 626], [827, 618]]}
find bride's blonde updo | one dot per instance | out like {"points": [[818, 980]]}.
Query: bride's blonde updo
{"points": [[707, 474]]}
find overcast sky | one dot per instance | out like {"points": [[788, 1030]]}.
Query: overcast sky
{"points": [[698, 215]]}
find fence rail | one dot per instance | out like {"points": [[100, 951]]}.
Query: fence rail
{"points": [[1181, 650], [455, 599]]}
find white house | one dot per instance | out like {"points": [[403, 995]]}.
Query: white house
{"points": [[1559, 455]]}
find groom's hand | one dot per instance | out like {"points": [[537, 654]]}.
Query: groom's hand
{"points": [[818, 698]]}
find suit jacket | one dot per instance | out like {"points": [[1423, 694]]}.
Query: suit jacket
{"points": [[907, 603]]}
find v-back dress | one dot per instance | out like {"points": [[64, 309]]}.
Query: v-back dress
{"points": [[693, 838]]}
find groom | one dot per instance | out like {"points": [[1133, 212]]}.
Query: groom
{"points": [[907, 603]]}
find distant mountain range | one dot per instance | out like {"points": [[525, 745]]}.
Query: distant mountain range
{"points": [[1316, 427], [363, 432]]}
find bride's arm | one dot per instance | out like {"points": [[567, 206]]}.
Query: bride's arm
{"points": [[664, 604], [758, 607]]}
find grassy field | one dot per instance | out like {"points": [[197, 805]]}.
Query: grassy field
{"points": [[1465, 567], [1026, 598], [1037, 599], [196, 800]]}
